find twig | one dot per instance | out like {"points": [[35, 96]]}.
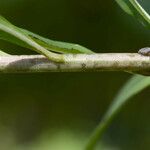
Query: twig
{"points": [[129, 62]]}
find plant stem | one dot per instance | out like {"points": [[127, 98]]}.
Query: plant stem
{"points": [[128, 62]]}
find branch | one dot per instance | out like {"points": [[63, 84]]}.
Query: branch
{"points": [[129, 62]]}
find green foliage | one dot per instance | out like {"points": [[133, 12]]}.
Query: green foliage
{"points": [[3, 53], [125, 5], [8, 30], [36, 42], [134, 8], [57, 46], [132, 87], [43, 45]]}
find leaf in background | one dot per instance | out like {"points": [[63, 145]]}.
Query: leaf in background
{"points": [[136, 84], [125, 5], [133, 8], [132, 87], [56, 46], [9, 31]]}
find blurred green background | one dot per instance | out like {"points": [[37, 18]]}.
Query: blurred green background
{"points": [[57, 111]]}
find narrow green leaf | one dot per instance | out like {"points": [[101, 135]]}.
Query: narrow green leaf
{"points": [[140, 13], [125, 5], [136, 84], [56, 46], [134, 8], [3, 53], [132, 87], [13, 31]]}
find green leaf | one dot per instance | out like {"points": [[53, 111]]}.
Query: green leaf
{"points": [[136, 84], [3, 53], [19, 36], [125, 5], [56, 46], [134, 8]]}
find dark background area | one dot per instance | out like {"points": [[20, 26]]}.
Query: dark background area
{"points": [[57, 110]]}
